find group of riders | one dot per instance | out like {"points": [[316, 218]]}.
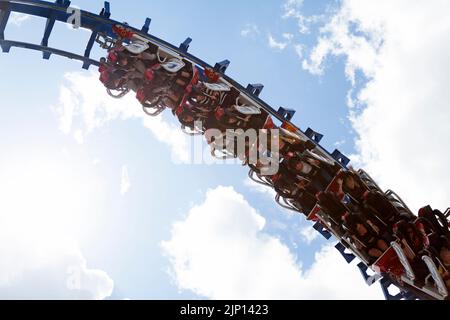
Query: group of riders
{"points": [[305, 181]]}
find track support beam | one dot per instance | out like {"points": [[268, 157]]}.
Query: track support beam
{"points": [[222, 66], [49, 28], [385, 284], [321, 229], [339, 157], [286, 114], [349, 257], [255, 89], [50, 50], [146, 26], [184, 47], [313, 135], [4, 17], [370, 280], [105, 13]]}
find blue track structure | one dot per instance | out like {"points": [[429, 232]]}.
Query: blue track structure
{"points": [[101, 25]]}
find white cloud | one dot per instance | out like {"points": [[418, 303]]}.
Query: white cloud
{"points": [[42, 212], [256, 187], [299, 48], [402, 124], [250, 30], [78, 136], [337, 39], [18, 19], [309, 234], [84, 107], [339, 143], [288, 36], [125, 183], [294, 4], [279, 45], [220, 251], [292, 10]]}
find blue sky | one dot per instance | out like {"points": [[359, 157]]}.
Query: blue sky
{"points": [[123, 234]]}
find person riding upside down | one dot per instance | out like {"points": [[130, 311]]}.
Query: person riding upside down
{"points": [[163, 86]]}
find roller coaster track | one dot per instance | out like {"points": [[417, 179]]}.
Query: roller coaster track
{"points": [[101, 25]]}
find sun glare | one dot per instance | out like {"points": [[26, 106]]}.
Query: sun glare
{"points": [[44, 198]]}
